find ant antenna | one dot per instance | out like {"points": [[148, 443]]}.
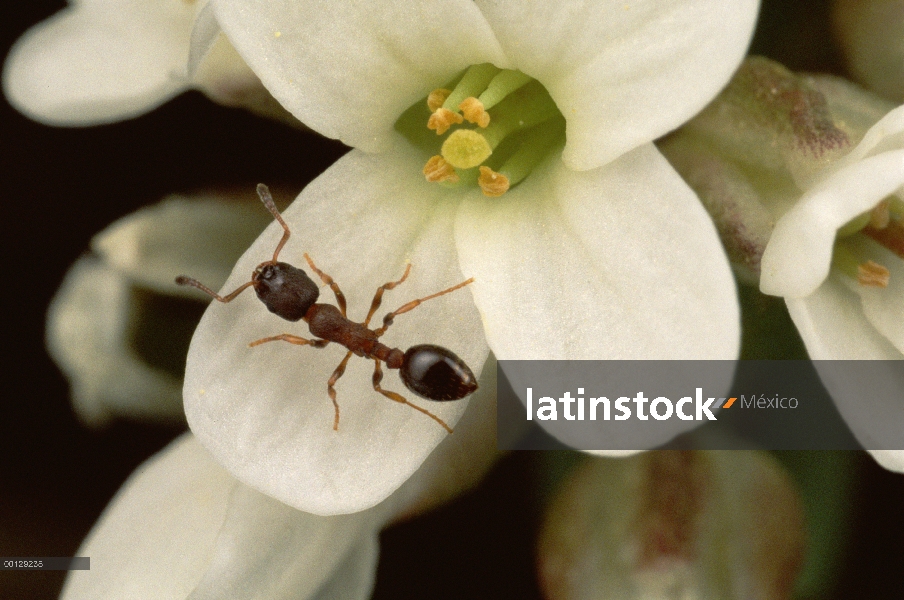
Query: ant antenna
{"points": [[264, 192], [183, 280]]}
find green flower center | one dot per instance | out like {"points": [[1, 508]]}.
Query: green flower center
{"points": [[853, 252], [490, 127]]}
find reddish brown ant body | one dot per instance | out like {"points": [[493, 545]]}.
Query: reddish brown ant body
{"points": [[431, 372]]}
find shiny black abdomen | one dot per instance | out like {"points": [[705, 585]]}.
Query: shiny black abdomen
{"points": [[435, 373]]}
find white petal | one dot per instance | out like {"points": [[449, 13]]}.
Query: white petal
{"points": [[797, 259], [198, 533], [884, 307], [203, 35], [98, 62], [155, 538], [201, 236], [264, 411], [461, 460], [621, 262], [833, 326], [887, 134], [350, 70], [86, 336], [623, 73], [869, 398], [893, 460], [271, 551]]}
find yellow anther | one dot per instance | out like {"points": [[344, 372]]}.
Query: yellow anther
{"points": [[442, 119], [880, 216], [465, 149], [492, 183], [436, 98], [437, 169], [872, 274], [473, 110]]}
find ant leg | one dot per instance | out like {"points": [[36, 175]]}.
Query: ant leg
{"points": [[378, 297], [378, 377], [340, 297], [388, 319], [292, 339], [340, 370]]}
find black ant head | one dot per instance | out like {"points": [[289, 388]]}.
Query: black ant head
{"points": [[285, 290], [436, 373]]}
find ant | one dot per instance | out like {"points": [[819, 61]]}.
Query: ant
{"points": [[431, 372]]}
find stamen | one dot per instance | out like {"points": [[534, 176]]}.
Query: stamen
{"points": [[524, 127], [475, 81], [892, 236], [864, 271], [437, 170], [502, 85], [532, 147], [872, 274], [442, 119], [529, 106], [436, 98], [878, 218], [474, 112], [465, 149], [492, 183]]}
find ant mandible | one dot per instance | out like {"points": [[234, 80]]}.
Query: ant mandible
{"points": [[431, 372]]}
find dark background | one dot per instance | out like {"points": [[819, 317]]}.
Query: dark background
{"points": [[61, 186]]}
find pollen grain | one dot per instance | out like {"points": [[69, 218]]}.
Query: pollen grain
{"points": [[437, 170], [474, 112], [442, 119], [492, 183], [871, 274]]}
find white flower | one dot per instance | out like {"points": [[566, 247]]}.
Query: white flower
{"points": [[673, 524], [845, 289], [183, 527], [102, 307], [600, 252], [804, 177], [97, 62]]}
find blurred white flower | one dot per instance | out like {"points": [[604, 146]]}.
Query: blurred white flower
{"points": [[183, 527], [101, 61], [123, 294], [599, 252], [837, 257], [805, 183], [670, 524]]}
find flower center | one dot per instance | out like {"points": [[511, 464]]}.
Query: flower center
{"points": [[490, 127], [855, 244]]}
